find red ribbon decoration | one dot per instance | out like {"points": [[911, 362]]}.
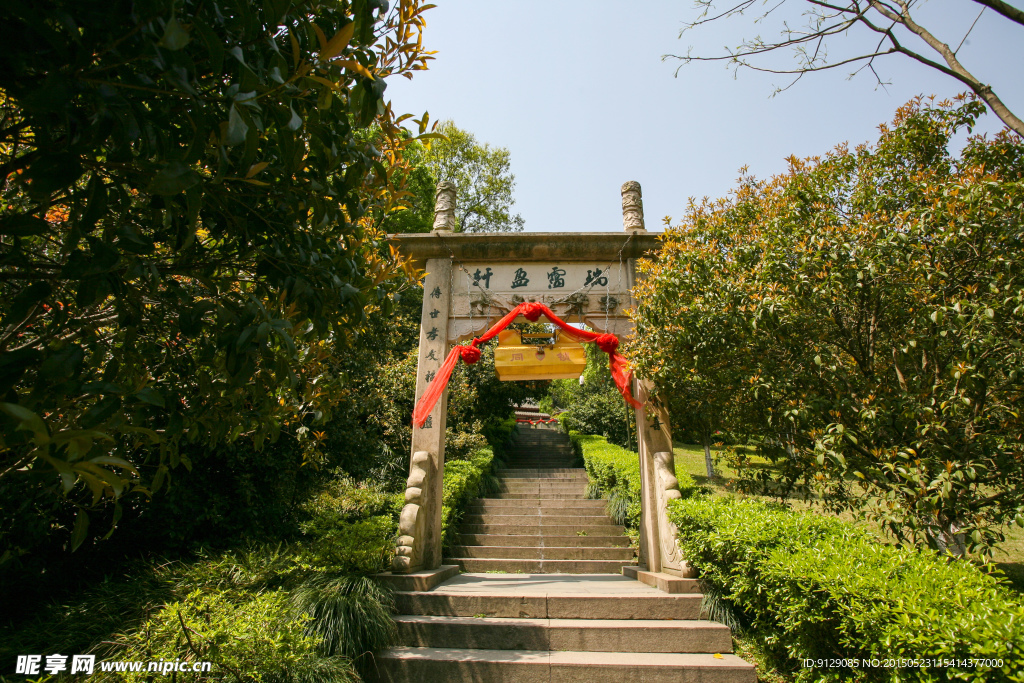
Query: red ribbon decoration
{"points": [[532, 311]]}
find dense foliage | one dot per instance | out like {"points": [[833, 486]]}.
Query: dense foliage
{"points": [[860, 320], [298, 611], [186, 232], [810, 586]]}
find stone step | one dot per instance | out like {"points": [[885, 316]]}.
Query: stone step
{"points": [[444, 665], [544, 552], [546, 494], [545, 463], [532, 478], [543, 530], [550, 606], [545, 483], [539, 490], [537, 539], [540, 451], [495, 564], [581, 635], [533, 520], [561, 507], [541, 501], [538, 502], [663, 582], [542, 471]]}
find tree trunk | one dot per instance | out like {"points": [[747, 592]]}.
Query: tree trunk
{"points": [[707, 459]]}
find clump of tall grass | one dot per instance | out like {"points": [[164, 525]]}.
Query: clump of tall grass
{"points": [[349, 615]]}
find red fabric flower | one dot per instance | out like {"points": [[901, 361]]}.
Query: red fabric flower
{"points": [[532, 310], [470, 354], [608, 343]]}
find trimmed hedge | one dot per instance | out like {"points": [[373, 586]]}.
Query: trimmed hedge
{"points": [[615, 471], [812, 587], [462, 480]]}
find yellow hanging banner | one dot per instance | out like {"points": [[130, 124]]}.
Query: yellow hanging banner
{"points": [[515, 360]]}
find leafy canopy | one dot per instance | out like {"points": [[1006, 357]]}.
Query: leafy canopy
{"points": [[482, 177], [187, 225], [865, 311]]}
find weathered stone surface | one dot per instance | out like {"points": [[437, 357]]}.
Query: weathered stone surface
{"points": [[444, 206], [600, 247], [632, 206]]}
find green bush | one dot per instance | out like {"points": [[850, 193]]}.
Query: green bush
{"points": [[616, 473], [351, 528], [255, 638], [815, 587], [462, 482]]}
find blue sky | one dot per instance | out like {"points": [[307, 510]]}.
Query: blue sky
{"points": [[579, 94]]}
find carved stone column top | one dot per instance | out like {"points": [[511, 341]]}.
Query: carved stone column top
{"points": [[444, 206], [632, 206]]}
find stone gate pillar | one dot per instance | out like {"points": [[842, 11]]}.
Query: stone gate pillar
{"points": [[659, 550], [419, 542]]}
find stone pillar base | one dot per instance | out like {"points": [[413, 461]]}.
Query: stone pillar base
{"points": [[423, 580]]}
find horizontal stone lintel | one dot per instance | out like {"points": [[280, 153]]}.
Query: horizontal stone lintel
{"points": [[527, 246]]}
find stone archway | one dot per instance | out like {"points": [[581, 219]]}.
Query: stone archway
{"points": [[473, 279]]}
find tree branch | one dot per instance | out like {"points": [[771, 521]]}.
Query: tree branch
{"points": [[955, 68], [1008, 11]]}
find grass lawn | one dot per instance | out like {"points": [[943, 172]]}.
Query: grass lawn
{"points": [[1009, 556]]}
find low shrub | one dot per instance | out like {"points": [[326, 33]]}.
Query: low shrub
{"points": [[462, 483], [254, 637], [350, 528], [813, 587], [616, 473]]}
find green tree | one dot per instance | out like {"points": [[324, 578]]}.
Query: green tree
{"points": [[482, 177], [187, 231], [870, 307]]}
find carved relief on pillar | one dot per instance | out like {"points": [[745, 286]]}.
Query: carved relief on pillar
{"points": [[632, 206], [444, 206], [666, 488], [410, 525]]}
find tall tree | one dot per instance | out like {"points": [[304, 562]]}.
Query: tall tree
{"points": [[887, 25], [482, 177], [872, 305], [187, 227]]}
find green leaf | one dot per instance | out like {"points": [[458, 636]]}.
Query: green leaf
{"points": [[175, 177], [53, 172], [64, 363], [26, 419], [151, 396], [175, 35], [80, 530], [295, 122], [236, 128], [116, 462]]}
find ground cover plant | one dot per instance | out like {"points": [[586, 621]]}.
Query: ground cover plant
{"points": [[306, 610]]}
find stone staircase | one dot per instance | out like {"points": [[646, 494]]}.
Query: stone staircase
{"points": [[570, 615], [540, 522]]}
